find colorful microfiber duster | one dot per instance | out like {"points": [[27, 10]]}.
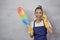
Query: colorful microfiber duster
{"points": [[23, 16], [24, 19]]}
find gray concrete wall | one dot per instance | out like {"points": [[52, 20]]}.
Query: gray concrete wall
{"points": [[11, 26]]}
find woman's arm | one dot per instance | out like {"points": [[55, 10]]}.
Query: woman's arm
{"points": [[30, 30], [47, 24], [50, 29]]}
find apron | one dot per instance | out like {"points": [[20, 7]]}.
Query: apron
{"points": [[40, 32]]}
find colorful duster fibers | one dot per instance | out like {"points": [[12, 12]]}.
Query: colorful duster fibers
{"points": [[23, 16], [24, 19]]}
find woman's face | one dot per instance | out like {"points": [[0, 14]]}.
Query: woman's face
{"points": [[38, 13]]}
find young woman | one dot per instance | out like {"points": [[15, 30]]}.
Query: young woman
{"points": [[40, 31]]}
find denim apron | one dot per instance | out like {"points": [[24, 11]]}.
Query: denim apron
{"points": [[40, 32]]}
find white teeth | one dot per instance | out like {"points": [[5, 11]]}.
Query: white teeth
{"points": [[38, 16]]}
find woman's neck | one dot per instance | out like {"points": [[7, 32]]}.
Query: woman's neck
{"points": [[38, 20]]}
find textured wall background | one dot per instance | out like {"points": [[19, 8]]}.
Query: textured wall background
{"points": [[11, 27]]}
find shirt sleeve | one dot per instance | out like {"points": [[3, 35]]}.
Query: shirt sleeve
{"points": [[31, 24]]}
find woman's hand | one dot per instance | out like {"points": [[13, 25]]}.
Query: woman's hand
{"points": [[30, 30], [31, 35]]}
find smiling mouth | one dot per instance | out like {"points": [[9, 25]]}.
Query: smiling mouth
{"points": [[38, 16]]}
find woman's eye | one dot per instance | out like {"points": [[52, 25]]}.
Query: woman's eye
{"points": [[38, 12]]}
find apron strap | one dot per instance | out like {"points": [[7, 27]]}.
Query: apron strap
{"points": [[43, 22], [34, 23]]}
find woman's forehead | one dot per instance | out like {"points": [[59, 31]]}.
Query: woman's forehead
{"points": [[38, 10]]}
